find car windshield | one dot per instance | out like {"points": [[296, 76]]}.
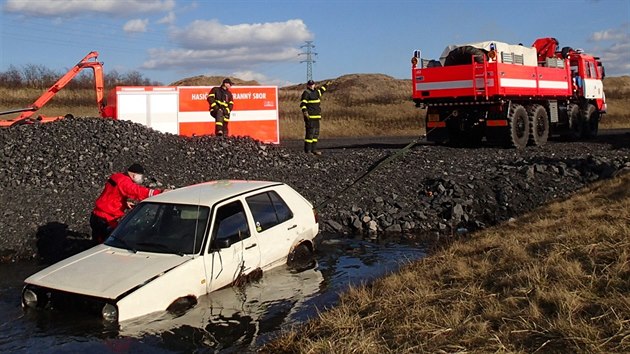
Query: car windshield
{"points": [[163, 228]]}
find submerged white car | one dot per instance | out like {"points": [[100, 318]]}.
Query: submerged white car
{"points": [[176, 246]]}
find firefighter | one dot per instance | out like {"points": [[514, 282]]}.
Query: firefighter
{"points": [[221, 103], [116, 198], [311, 110]]}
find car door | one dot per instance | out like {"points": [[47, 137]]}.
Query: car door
{"points": [[275, 226], [233, 250]]}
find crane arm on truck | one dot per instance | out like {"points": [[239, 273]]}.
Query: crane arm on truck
{"points": [[546, 48], [89, 61]]}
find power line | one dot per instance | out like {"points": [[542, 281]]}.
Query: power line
{"points": [[309, 59]]}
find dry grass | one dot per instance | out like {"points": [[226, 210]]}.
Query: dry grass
{"points": [[355, 105], [76, 102], [556, 280]]}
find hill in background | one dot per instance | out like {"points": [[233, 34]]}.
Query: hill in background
{"points": [[202, 80], [354, 105], [617, 87]]}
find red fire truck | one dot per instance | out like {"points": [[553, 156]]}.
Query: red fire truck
{"points": [[512, 95]]}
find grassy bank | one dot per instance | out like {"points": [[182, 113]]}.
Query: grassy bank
{"points": [[555, 280], [355, 105]]}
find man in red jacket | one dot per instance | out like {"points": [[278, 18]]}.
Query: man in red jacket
{"points": [[114, 201]]}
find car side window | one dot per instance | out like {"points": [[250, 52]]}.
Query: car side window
{"points": [[231, 223], [268, 210]]}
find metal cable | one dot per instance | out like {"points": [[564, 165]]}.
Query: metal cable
{"points": [[374, 167]]}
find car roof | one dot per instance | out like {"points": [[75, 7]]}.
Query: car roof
{"points": [[211, 192]]}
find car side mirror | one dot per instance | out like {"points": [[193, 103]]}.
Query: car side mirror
{"points": [[222, 243]]}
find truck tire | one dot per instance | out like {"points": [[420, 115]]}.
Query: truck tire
{"points": [[576, 122], [538, 125], [518, 127], [463, 55], [590, 119]]}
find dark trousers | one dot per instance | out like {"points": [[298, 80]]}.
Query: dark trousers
{"points": [[312, 134], [100, 229], [221, 123]]}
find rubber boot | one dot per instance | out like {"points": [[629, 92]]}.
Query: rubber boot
{"points": [[308, 147], [314, 149]]}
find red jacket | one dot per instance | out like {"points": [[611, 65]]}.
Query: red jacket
{"points": [[112, 203]]}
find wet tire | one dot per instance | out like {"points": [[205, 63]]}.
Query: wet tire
{"points": [[538, 125], [518, 127], [301, 258], [181, 305], [590, 119]]}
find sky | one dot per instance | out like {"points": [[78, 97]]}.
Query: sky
{"points": [[169, 40]]}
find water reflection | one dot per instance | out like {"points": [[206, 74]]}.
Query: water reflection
{"points": [[229, 320], [233, 316]]}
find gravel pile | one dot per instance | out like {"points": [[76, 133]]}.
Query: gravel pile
{"points": [[50, 175]]}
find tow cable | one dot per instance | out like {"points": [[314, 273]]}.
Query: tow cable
{"points": [[371, 169], [374, 167]]}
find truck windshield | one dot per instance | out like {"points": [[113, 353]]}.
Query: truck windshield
{"points": [[162, 228]]}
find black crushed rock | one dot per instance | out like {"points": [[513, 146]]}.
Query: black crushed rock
{"points": [[50, 175]]}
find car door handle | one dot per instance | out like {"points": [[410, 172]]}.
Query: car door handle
{"points": [[292, 227], [252, 246]]}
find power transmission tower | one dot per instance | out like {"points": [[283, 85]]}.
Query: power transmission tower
{"points": [[309, 59]]}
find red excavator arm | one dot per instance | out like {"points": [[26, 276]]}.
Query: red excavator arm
{"points": [[90, 61]]}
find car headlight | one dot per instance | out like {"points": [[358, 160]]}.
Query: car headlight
{"points": [[110, 313], [29, 298]]}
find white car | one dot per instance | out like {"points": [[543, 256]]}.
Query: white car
{"points": [[176, 246]]}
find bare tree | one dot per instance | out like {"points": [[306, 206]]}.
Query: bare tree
{"points": [[41, 77], [113, 78], [134, 78], [11, 78]]}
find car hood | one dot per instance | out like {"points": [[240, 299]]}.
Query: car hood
{"points": [[105, 272]]}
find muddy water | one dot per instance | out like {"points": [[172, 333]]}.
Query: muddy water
{"points": [[232, 320]]}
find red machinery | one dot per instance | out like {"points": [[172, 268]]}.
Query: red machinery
{"points": [[90, 61], [509, 94]]}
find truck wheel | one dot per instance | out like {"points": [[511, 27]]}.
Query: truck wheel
{"points": [[576, 122], [538, 125], [591, 121], [518, 125]]}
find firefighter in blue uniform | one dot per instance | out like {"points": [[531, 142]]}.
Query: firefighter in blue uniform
{"points": [[310, 105]]}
